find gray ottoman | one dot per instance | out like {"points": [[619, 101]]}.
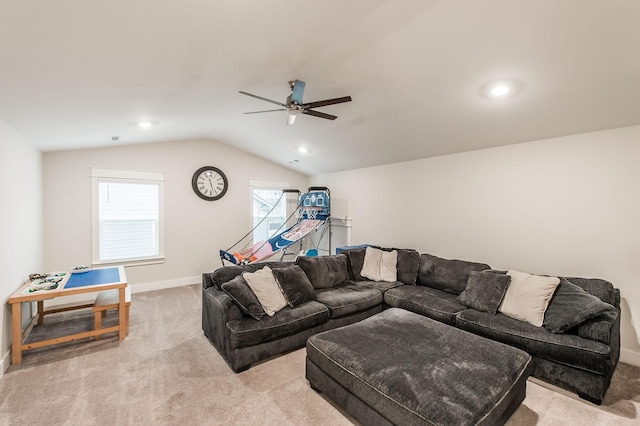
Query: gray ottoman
{"points": [[402, 368]]}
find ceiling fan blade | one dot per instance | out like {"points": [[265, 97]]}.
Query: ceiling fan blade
{"points": [[297, 91], [326, 102], [319, 114], [268, 110], [263, 99]]}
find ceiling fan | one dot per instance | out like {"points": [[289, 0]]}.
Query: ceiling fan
{"points": [[294, 105]]}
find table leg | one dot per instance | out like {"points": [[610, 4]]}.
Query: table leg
{"points": [[16, 333], [122, 314], [40, 312]]}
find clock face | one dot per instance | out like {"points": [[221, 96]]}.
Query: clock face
{"points": [[209, 183]]}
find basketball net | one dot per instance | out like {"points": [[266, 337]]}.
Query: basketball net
{"points": [[311, 213]]}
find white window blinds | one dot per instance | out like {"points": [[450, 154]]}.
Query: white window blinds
{"points": [[127, 217]]}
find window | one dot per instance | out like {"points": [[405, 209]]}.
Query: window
{"points": [[127, 216], [269, 207]]}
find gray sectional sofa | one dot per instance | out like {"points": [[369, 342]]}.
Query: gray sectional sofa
{"points": [[581, 358]]}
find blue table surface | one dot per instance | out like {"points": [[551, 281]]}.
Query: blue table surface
{"points": [[93, 277]]}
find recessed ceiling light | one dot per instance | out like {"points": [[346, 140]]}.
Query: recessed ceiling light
{"points": [[303, 150], [500, 90], [144, 124]]}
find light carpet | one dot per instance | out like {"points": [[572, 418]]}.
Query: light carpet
{"points": [[167, 373]]}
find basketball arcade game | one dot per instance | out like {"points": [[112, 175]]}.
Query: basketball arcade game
{"points": [[312, 213]]}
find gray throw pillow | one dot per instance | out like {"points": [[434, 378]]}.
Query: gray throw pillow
{"points": [[325, 271], [485, 291], [408, 264], [571, 306], [295, 285], [241, 293], [355, 263], [225, 274]]}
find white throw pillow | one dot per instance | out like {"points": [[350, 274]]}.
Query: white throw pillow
{"points": [[528, 297], [371, 265], [380, 265], [264, 286]]}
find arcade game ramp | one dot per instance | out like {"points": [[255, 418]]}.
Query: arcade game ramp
{"points": [[311, 213]]}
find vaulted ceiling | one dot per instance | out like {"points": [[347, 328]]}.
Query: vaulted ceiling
{"points": [[76, 74]]}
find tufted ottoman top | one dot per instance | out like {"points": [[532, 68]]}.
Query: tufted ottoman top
{"points": [[410, 369]]}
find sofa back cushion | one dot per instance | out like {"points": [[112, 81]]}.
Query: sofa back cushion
{"points": [[406, 266], [449, 275], [227, 273], [325, 271], [602, 289]]}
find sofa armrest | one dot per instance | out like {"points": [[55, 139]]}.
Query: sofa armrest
{"points": [[206, 280], [217, 310], [599, 328]]}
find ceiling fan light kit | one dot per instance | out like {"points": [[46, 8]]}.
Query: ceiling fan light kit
{"points": [[294, 105]]}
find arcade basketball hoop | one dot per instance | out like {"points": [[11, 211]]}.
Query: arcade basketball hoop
{"points": [[311, 213]]}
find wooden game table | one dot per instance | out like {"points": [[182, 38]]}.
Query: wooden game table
{"points": [[92, 281]]}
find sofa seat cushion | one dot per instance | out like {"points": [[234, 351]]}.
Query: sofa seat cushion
{"points": [[249, 332], [380, 285], [427, 301], [567, 349], [349, 298]]}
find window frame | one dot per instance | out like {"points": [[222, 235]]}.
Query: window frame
{"points": [[262, 184], [124, 176]]}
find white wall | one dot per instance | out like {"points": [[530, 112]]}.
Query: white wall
{"points": [[195, 230], [568, 206], [20, 223]]}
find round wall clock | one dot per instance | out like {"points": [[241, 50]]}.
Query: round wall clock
{"points": [[209, 183]]}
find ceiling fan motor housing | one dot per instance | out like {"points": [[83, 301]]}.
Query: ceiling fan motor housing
{"points": [[294, 105]]}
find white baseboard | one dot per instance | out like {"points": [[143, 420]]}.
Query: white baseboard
{"points": [[630, 357], [6, 361], [159, 285]]}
